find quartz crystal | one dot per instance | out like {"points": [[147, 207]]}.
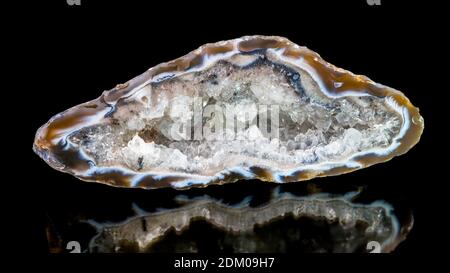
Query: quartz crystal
{"points": [[254, 107]]}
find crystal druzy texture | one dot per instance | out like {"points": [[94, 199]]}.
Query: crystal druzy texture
{"points": [[251, 108]]}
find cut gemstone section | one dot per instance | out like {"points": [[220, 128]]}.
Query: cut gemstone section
{"points": [[254, 107]]}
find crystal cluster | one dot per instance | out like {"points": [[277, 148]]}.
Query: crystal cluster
{"points": [[254, 107]]}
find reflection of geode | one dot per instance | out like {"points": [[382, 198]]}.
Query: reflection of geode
{"points": [[317, 223]]}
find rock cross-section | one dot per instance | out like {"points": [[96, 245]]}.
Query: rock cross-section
{"points": [[254, 107]]}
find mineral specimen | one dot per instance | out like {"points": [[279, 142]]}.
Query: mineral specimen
{"points": [[254, 107], [287, 223]]}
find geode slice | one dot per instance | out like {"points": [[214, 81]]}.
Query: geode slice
{"points": [[254, 107]]}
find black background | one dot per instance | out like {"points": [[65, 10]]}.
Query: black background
{"points": [[76, 52]]}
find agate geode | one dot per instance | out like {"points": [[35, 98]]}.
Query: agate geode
{"points": [[254, 107]]}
